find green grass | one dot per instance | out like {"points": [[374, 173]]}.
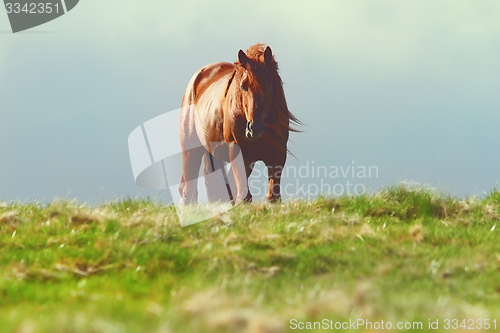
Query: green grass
{"points": [[405, 254]]}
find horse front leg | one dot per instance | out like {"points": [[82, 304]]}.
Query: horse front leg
{"points": [[274, 179], [275, 166], [238, 181]]}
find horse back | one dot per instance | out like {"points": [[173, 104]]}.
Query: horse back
{"points": [[204, 79]]}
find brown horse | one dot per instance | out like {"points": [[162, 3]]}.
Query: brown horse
{"points": [[232, 108]]}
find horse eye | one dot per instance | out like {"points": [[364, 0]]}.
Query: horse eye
{"points": [[244, 85]]}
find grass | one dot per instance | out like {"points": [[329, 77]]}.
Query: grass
{"points": [[405, 254]]}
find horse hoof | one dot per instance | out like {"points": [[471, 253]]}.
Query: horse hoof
{"points": [[247, 199], [274, 199]]}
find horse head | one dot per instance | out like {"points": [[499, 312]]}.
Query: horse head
{"points": [[256, 85]]}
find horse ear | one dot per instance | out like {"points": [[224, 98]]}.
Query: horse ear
{"points": [[268, 55], [242, 57]]}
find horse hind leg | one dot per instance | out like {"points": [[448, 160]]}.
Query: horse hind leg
{"points": [[216, 181]]}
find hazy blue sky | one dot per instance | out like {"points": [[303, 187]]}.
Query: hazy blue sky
{"points": [[411, 87]]}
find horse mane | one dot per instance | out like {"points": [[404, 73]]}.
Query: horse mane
{"points": [[279, 112]]}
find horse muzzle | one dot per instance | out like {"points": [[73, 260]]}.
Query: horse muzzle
{"points": [[254, 130]]}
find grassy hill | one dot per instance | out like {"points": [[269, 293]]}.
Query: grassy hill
{"points": [[405, 257]]}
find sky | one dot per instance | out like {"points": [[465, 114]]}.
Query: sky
{"points": [[408, 88]]}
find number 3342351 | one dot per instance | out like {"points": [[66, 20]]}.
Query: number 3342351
{"points": [[32, 8]]}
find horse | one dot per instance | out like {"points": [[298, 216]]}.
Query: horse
{"points": [[230, 109]]}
